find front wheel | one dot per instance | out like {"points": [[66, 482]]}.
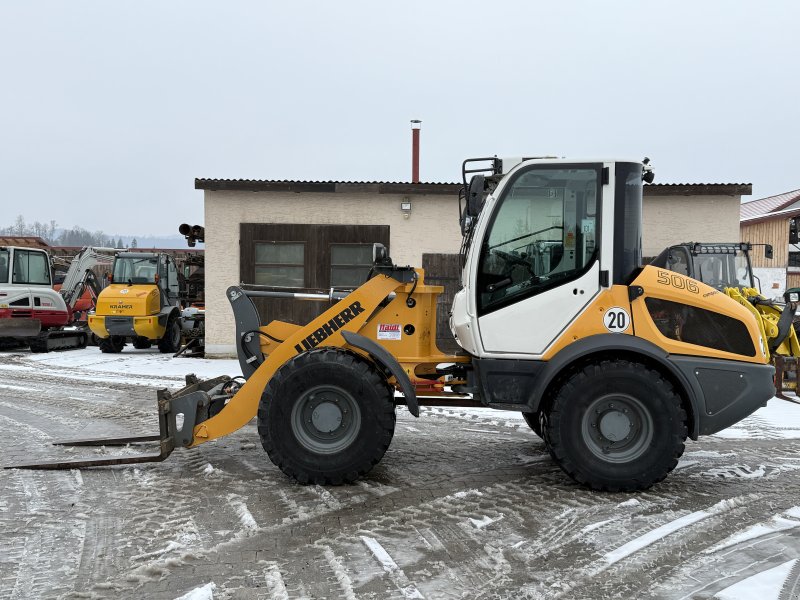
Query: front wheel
{"points": [[616, 426], [171, 342], [326, 417], [113, 344]]}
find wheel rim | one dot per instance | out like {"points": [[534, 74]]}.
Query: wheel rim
{"points": [[617, 428], [326, 419]]}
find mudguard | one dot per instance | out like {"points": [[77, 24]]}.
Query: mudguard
{"points": [[382, 356]]}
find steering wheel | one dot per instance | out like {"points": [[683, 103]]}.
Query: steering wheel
{"points": [[513, 259]]}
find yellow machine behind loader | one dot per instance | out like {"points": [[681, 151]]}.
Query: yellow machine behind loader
{"points": [[142, 303], [615, 364], [727, 268]]}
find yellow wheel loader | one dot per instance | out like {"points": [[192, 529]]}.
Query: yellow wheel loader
{"points": [[142, 303], [614, 363], [727, 267]]}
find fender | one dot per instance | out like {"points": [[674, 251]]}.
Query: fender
{"points": [[608, 343], [166, 313], [381, 356]]}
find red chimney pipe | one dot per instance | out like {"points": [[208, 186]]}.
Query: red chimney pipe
{"points": [[416, 125]]}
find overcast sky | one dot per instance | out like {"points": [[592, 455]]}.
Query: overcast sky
{"points": [[109, 110]]}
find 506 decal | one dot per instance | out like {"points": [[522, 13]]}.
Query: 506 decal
{"points": [[677, 281]]}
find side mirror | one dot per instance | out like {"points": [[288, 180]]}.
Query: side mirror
{"points": [[475, 195], [768, 251]]}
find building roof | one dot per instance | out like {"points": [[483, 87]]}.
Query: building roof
{"points": [[766, 208], [26, 241], [398, 187]]}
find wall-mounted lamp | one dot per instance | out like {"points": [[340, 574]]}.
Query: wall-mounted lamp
{"points": [[405, 206]]}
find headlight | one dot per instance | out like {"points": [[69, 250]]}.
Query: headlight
{"points": [[794, 297]]}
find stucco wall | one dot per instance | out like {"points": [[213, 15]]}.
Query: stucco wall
{"points": [[671, 220], [432, 226]]}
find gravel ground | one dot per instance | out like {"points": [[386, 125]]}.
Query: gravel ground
{"points": [[465, 504]]}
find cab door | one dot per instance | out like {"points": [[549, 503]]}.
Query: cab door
{"points": [[538, 264]]}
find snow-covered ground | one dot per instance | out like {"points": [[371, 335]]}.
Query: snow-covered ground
{"points": [[466, 504]]}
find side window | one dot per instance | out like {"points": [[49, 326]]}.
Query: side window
{"points": [[543, 233], [678, 261], [280, 264], [31, 267]]}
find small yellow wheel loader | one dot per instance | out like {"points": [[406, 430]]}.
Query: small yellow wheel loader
{"points": [[142, 304], [727, 267], [615, 364]]}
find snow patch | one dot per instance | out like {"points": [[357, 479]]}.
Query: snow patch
{"points": [[245, 517], [275, 585], [408, 589], [627, 503], [594, 526], [767, 584], [485, 521], [775, 524], [205, 592], [668, 528]]}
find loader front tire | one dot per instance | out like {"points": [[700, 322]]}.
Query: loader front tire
{"points": [[141, 343], [616, 425], [326, 417], [171, 342], [113, 344]]}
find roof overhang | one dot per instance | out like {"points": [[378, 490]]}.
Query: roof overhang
{"points": [[381, 187]]}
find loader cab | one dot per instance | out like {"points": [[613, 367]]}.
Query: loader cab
{"points": [[549, 237], [25, 267], [717, 265], [148, 268]]}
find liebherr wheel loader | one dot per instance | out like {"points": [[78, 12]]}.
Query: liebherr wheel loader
{"points": [[556, 318], [727, 267]]}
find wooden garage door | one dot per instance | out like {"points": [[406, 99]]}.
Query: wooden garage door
{"points": [[305, 256], [444, 270]]}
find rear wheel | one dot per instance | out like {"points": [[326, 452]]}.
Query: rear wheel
{"points": [[326, 417], [616, 426], [171, 342], [113, 344]]}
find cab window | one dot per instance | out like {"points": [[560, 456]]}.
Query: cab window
{"points": [[31, 267], [544, 233]]}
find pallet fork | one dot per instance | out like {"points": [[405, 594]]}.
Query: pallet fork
{"points": [[177, 415]]}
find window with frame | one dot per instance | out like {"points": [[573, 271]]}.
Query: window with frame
{"points": [[350, 264], [543, 234], [794, 259], [280, 264], [31, 267]]}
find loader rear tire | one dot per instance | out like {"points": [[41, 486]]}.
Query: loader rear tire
{"points": [[113, 344], [326, 417], [616, 426]]}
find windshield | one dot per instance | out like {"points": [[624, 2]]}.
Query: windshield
{"points": [[135, 270], [3, 266], [723, 270]]}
